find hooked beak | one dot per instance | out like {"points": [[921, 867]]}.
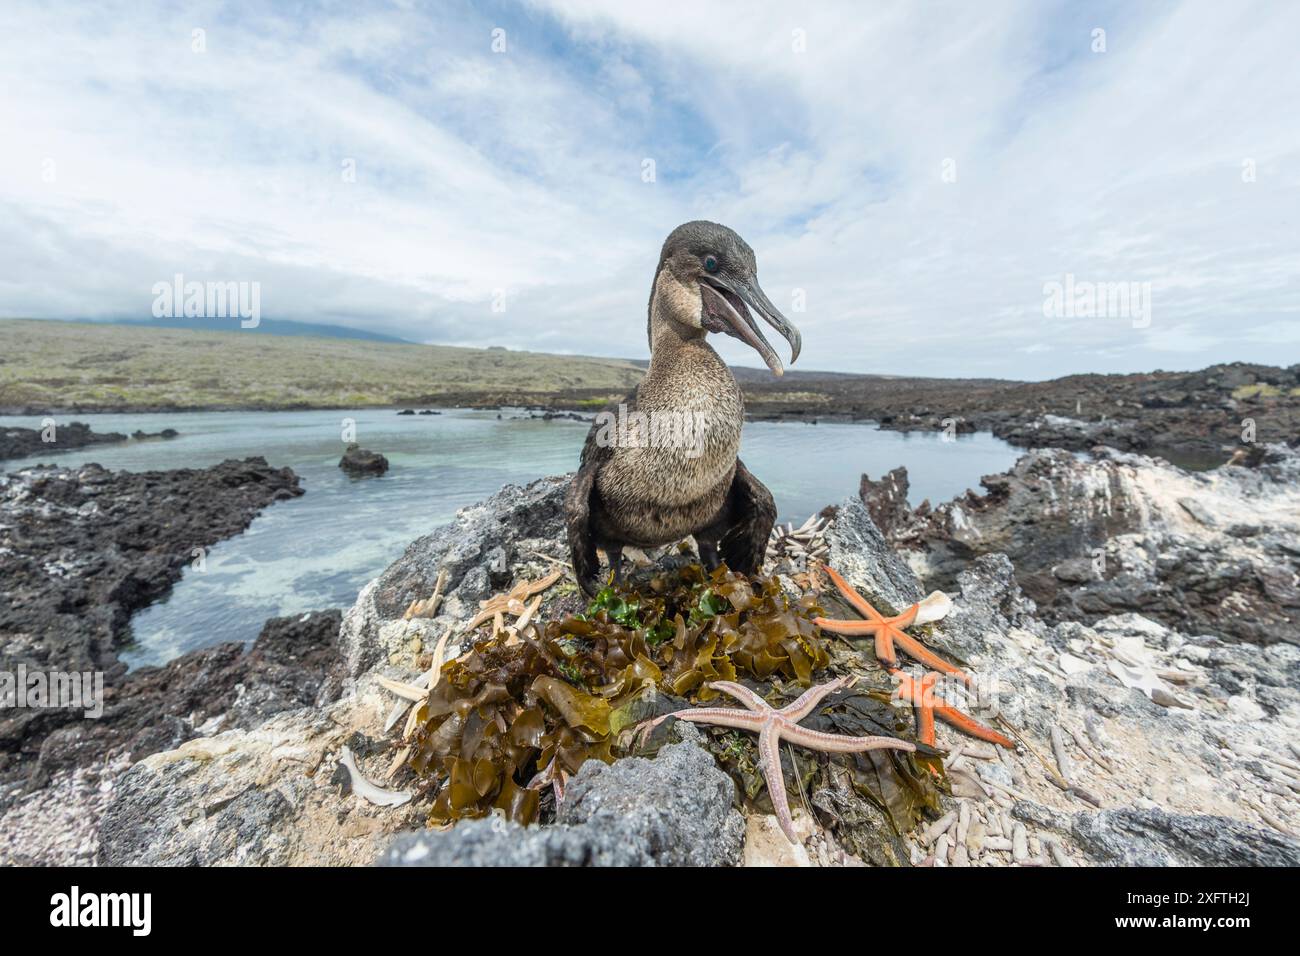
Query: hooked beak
{"points": [[727, 305]]}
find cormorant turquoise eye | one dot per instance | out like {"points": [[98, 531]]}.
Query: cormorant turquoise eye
{"points": [[710, 264]]}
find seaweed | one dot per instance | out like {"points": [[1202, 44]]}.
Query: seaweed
{"points": [[516, 713]]}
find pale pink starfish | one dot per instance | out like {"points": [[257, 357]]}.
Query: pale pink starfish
{"points": [[773, 726]]}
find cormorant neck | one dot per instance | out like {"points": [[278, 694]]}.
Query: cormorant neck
{"points": [[669, 336], [672, 341]]}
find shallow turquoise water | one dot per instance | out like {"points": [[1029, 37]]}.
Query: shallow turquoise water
{"points": [[318, 550]]}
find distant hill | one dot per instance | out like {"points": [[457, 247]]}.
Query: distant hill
{"points": [[100, 366], [71, 366], [264, 327]]}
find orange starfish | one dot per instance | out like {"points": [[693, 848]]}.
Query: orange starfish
{"points": [[887, 631], [921, 695]]}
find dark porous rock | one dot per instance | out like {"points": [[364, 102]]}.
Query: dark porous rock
{"points": [[362, 461], [561, 416], [166, 433], [151, 825], [18, 442], [1074, 571], [293, 663], [1154, 837], [1205, 553], [886, 500], [1194, 417], [1055, 431], [674, 810], [83, 548], [858, 550], [407, 411]]}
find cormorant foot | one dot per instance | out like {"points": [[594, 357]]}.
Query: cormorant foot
{"points": [[616, 566]]}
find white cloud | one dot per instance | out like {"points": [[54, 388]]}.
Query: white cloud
{"points": [[521, 171]]}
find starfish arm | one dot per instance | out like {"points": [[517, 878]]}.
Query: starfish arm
{"points": [[907, 618], [840, 744], [847, 627], [769, 752], [925, 724], [723, 717], [923, 697], [647, 727], [485, 615], [915, 649], [885, 652], [809, 699], [852, 596], [742, 694], [971, 726]]}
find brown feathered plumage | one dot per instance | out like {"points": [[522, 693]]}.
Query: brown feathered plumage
{"points": [[663, 464]]}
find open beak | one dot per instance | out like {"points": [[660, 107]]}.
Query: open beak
{"points": [[727, 308]]}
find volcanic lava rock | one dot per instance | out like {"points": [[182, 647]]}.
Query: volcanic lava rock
{"points": [[263, 795], [166, 433], [1203, 552], [674, 810], [886, 500], [83, 548], [358, 461], [1154, 837], [18, 442], [293, 663]]}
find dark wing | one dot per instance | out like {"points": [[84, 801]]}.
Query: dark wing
{"points": [[578, 504], [577, 522], [753, 513]]}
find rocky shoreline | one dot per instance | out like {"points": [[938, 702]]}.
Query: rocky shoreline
{"points": [[1197, 418], [1140, 642], [1173, 746], [16, 442], [54, 818], [81, 549], [1212, 552]]}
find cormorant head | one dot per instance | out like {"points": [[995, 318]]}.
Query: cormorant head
{"points": [[708, 280]]}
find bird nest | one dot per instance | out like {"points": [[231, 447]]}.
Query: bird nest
{"points": [[508, 722]]}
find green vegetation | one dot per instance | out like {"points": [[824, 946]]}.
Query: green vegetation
{"points": [[1258, 390], [71, 365]]}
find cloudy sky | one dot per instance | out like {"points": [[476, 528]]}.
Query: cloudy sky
{"points": [[913, 174]]}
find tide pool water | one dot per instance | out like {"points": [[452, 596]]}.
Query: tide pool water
{"points": [[319, 550]]}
